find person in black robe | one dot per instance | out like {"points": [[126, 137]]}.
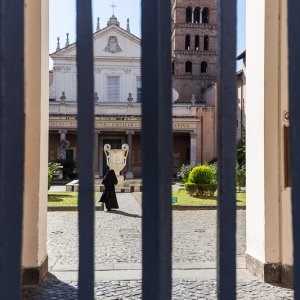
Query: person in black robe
{"points": [[109, 195]]}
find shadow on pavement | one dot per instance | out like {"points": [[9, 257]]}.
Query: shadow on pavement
{"points": [[50, 288], [123, 213]]}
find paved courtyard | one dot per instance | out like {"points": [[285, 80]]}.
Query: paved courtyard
{"points": [[118, 256]]}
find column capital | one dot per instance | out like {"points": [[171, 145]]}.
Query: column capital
{"points": [[62, 131], [97, 131], [129, 132], [193, 135]]}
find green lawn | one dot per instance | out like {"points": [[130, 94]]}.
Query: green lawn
{"points": [[63, 198], [183, 198]]}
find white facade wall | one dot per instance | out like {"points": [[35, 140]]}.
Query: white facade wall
{"points": [[263, 224], [126, 63], [268, 215]]}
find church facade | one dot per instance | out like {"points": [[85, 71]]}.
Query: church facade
{"points": [[118, 97]]}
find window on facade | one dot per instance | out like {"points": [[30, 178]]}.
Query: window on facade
{"points": [[197, 15], [204, 67], [187, 42], [113, 89], [139, 89], [188, 67], [197, 42], [206, 42], [205, 15], [189, 15]]}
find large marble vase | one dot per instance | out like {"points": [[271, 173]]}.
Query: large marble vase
{"points": [[116, 159]]}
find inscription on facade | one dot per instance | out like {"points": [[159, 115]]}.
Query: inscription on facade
{"points": [[62, 124], [115, 125]]}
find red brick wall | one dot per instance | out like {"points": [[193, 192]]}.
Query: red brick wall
{"points": [[193, 83]]}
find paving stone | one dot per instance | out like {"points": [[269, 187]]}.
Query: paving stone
{"points": [[182, 290], [118, 241], [118, 236]]}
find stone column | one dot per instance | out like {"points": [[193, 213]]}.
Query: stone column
{"points": [[201, 12], [193, 15], [96, 155], [129, 174], [63, 145], [193, 149]]}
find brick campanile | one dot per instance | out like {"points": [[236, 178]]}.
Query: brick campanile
{"points": [[194, 47]]}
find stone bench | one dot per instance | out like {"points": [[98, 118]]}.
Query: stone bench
{"points": [[70, 186]]}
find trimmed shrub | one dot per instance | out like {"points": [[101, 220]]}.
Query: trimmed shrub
{"points": [[201, 175], [201, 182], [192, 189], [201, 190], [208, 190]]}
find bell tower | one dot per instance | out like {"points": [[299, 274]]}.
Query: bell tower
{"points": [[194, 47]]}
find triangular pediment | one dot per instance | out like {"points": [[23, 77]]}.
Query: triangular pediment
{"points": [[111, 41]]}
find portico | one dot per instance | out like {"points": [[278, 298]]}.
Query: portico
{"points": [[117, 128]]}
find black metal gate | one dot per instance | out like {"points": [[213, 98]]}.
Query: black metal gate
{"points": [[156, 134]]}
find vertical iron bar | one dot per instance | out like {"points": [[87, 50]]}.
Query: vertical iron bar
{"points": [[156, 149], [294, 107], [85, 149], [227, 107], [11, 146]]}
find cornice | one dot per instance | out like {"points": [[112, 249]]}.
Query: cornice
{"points": [[196, 25], [196, 77], [196, 52]]}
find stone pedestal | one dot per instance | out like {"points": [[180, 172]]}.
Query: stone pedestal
{"points": [[121, 180]]}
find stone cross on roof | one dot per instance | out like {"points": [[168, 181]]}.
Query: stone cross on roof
{"points": [[113, 6]]}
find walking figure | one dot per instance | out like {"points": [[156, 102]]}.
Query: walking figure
{"points": [[109, 195]]}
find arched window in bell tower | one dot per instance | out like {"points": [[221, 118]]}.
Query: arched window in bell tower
{"points": [[189, 12], [204, 67], [197, 15], [187, 42], [205, 15], [188, 67], [206, 42], [197, 42]]}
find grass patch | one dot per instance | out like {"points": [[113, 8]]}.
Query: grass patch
{"points": [[64, 198], [184, 199]]}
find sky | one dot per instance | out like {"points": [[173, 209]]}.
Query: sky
{"points": [[63, 19]]}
